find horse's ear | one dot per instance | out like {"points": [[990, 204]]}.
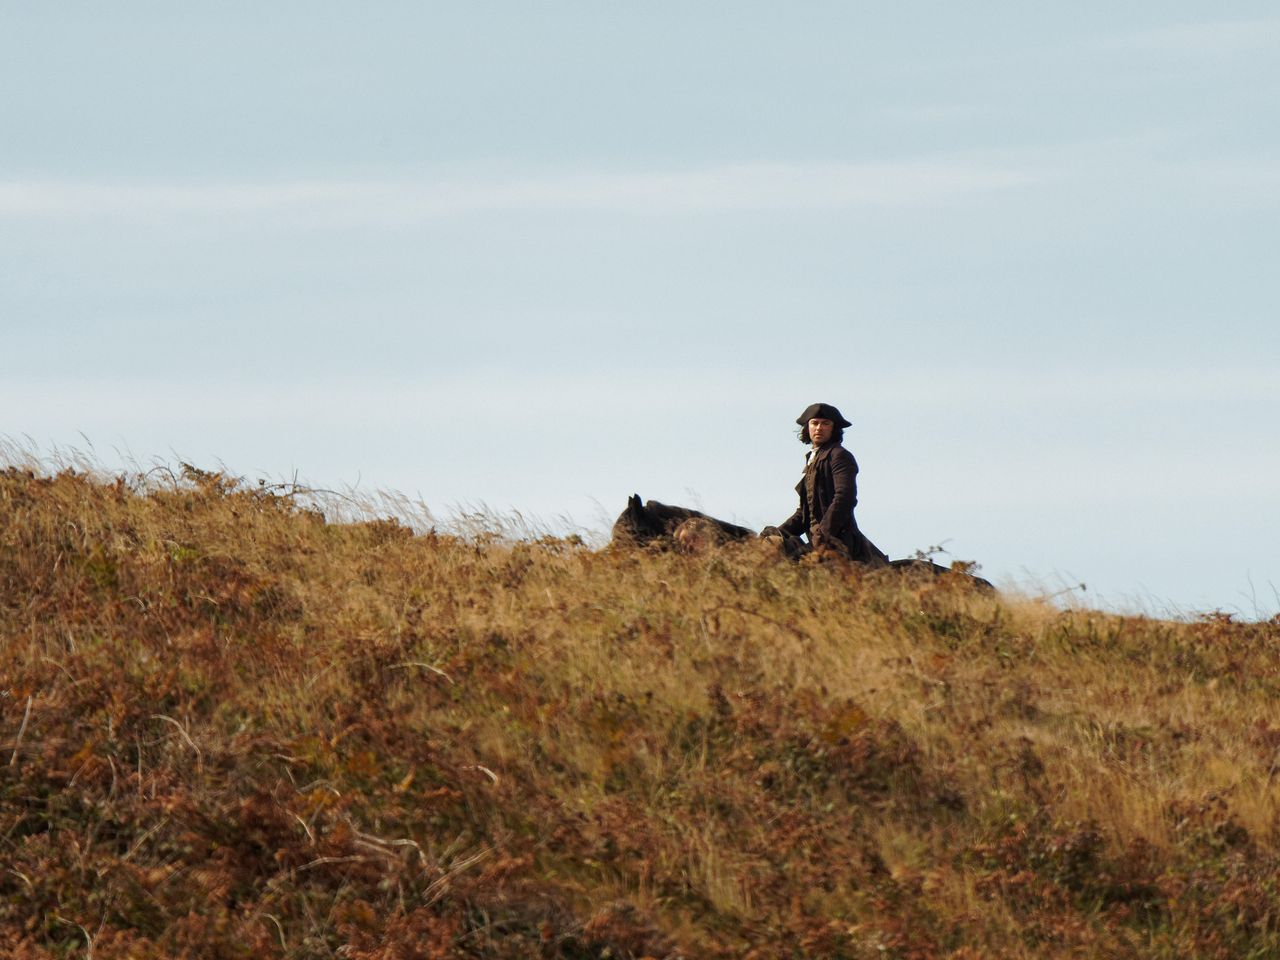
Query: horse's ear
{"points": [[635, 500]]}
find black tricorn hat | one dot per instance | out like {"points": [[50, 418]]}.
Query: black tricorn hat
{"points": [[822, 411]]}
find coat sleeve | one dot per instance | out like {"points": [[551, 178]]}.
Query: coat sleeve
{"points": [[844, 474], [794, 525]]}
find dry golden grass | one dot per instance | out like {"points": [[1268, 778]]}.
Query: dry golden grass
{"points": [[231, 727]]}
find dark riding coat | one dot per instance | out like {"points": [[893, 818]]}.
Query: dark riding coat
{"points": [[828, 493]]}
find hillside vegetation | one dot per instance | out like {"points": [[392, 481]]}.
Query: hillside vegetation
{"points": [[232, 728]]}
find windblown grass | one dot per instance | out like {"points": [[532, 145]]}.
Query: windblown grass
{"points": [[230, 727]]}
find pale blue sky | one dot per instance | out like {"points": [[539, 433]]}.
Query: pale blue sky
{"points": [[546, 255]]}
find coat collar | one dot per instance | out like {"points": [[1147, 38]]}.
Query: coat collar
{"points": [[823, 452]]}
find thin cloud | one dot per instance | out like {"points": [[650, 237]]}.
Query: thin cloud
{"points": [[1211, 39], [531, 398], [727, 189], [1249, 183], [1206, 41]]}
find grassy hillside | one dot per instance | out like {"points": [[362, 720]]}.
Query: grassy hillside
{"points": [[229, 728]]}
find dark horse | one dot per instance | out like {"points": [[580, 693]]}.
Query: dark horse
{"points": [[643, 523]]}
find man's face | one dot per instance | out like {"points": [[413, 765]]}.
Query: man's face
{"points": [[820, 430]]}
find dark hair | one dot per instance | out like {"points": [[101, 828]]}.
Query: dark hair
{"points": [[837, 434]]}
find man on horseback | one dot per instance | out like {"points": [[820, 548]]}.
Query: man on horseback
{"points": [[828, 493]]}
